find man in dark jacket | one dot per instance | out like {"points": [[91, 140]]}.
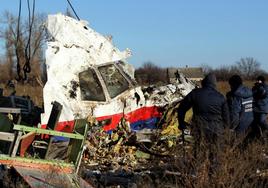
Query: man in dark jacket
{"points": [[210, 112], [240, 103], [260, 103]]}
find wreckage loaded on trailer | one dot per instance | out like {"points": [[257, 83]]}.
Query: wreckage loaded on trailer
{"points": [[88, 78]]}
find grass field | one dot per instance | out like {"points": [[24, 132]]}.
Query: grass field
{"points": [[34, 92], [224, 87]]}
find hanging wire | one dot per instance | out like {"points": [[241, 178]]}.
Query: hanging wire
{"points": [[27, 50], [73, 10], [16, 45]]}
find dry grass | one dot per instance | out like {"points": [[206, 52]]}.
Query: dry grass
{"points": [[233, 166], [224, 87], [34, 92]]}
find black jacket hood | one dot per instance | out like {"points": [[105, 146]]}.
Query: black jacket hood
{"points": [[209, 81]]}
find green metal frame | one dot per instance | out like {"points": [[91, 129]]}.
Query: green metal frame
{"points": [[77, 141], [24, 128], [81, 127]]}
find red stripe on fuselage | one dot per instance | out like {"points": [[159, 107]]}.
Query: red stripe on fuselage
{"points": [[140, 114]]}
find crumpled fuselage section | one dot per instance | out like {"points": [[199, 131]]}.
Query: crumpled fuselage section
{"points": [[90, 78]]}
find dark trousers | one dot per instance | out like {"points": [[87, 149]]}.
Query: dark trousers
{"points": [[261, 120], [205, 141], [260, 125]]}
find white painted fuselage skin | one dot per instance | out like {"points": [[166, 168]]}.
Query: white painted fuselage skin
{"points": [[73, 47]]}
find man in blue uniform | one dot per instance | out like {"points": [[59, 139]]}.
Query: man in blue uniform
{"points": [[260, 104], [240, 103]]}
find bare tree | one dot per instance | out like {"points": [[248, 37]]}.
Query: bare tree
{"points": [[150, 73], [23, 46], [4, 68], [222, 73], [248, 67], [206, 68]]}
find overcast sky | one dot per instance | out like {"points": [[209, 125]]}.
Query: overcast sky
{"points": [[174, 32]]}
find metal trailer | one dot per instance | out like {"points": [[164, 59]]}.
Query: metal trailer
{"points": [[44, 170]]}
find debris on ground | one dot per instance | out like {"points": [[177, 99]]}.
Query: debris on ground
{"points": [[123, 148]]}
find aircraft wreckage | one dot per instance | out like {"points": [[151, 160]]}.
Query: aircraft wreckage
{"points": [[90, 77], [91, 102]]}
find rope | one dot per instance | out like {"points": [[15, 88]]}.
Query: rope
{"points": [[27, 52], [73, 10], [16, 45]]}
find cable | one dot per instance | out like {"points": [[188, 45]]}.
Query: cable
{"points": [[27, 50], [16, 45], [73, 10]]}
